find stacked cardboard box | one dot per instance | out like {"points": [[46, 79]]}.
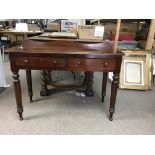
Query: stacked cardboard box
{"points": [[53, 27], [69, 26], [91, 32]]}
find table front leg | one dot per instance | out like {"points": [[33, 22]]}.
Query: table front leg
{"points": [[104, 85], [44, 89], [114, 86], [17, 89], [29, 84], [89, 83]]}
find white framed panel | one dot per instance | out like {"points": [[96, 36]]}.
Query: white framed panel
{"points": [[133, 73]]}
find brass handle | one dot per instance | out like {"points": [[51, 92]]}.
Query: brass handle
{"points": [[26, 60], [55, 62], [106, 63], [79, 62]]}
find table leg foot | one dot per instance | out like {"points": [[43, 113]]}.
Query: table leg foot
{"points": [[20, 118], [31, 99], [102, 100], [20, 111], [111, 117], [43, 92]]}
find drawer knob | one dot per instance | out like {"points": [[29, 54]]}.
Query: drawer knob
{"points": [[106, 63], [55, 62], [26, 60], [79, 62]]}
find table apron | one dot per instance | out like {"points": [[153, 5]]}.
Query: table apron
{"points": [[73, 64]]}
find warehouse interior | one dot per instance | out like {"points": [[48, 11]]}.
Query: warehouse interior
{"points": [[64, 105]]}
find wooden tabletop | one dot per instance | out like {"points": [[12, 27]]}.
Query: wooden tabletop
{"points": [[65, 48], [42, 38]]}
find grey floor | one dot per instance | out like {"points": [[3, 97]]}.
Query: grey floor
{"points": [[65, 113]]}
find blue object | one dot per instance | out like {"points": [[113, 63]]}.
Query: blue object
{"points": [[127, 45]]}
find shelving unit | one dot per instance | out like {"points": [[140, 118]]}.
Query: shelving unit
{"points": [[141, 58]]}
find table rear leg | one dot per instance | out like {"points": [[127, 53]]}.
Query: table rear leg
{"points": [[104, 85], [44, 90], [29, 84], [89, 83], [49, 78]]}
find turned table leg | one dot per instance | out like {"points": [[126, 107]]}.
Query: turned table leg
{"points": [[85, 78], [114, 86], [44, 89], [49, 78], [89, 82], [104, 84], [17, 89], [29, 84]]}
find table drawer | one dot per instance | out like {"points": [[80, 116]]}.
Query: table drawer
{"points": [[92, 64], [47, 62], [40, 62], [22, 61]]}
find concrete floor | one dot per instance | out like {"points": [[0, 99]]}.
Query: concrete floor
{"points": [[65, 113]]}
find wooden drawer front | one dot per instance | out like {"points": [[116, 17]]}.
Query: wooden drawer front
{"points": [[22, 62], [40, 62], [47, 62], [92, 64]]}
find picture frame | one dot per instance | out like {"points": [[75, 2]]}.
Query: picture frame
{"points": [[133, 67], [136, 70]]}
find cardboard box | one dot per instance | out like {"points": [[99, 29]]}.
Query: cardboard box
{"points": [[69, 26], [110, 28], [91, 32], [33, 27], [53, 27]]}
